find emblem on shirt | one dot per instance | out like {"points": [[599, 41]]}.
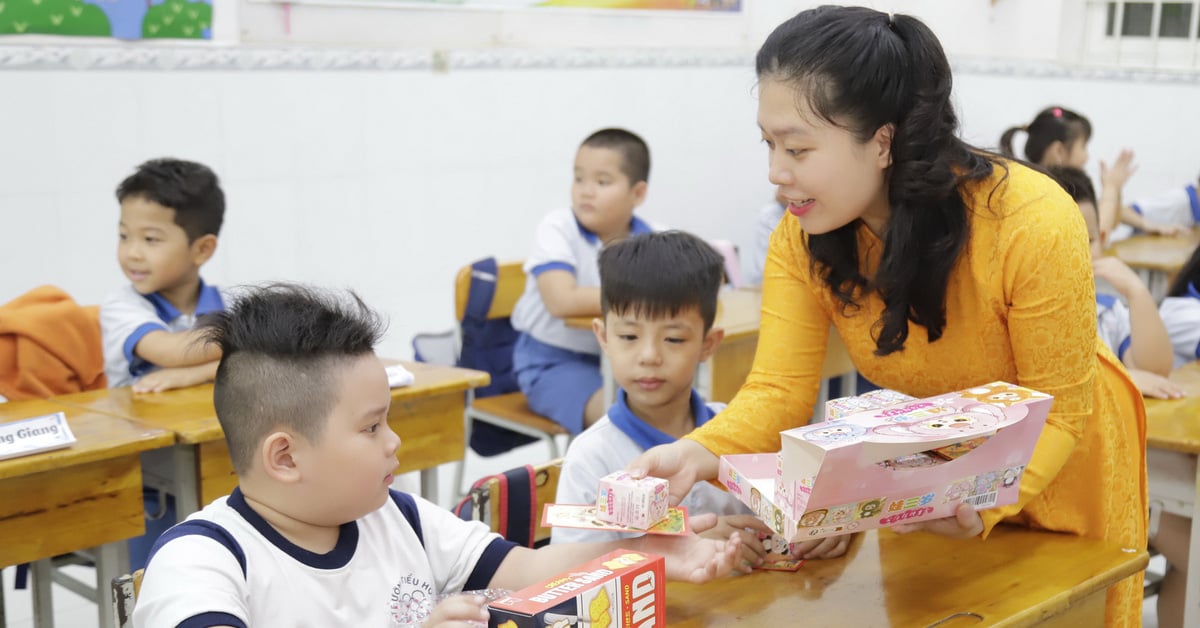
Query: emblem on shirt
{"points": [[411, 600]]}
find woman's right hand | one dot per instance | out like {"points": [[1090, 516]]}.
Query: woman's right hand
{"points": [[682, 463]]}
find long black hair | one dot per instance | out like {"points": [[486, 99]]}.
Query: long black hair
{"points": [[1188, 275], [861, 70]]}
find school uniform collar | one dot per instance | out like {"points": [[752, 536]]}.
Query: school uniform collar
{"points": [[336, 558], [1192, 292], [1105, 301], [209, 301], [644, 434], [636, 226]]}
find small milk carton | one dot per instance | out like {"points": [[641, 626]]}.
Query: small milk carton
{"points": [[621, 589], [891, 459], [626, 501]]}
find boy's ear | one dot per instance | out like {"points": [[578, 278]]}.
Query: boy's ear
{"points": [[712, 340], [278, 452], [598, 329], [203, 249], [639, 193]]}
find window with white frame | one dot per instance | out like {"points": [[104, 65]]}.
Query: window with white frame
{"points": [[1142, 33]]}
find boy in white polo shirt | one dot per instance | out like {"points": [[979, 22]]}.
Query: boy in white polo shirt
{"points": [[171, 214], [313, 536], [557, 367]]}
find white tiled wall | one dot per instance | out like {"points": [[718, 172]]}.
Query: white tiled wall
{"points": [[387, 182]]}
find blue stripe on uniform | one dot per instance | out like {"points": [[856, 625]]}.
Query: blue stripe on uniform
{"points": [[206, 620], [200, 527], [408, 508], [541, 268]]}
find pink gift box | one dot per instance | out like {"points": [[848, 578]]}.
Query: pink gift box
{"points": [[900, 462], [623, 500]]}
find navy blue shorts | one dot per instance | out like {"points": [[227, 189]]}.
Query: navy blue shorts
{"points": [[556, 382]]}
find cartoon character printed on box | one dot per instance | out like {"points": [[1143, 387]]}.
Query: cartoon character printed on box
{"points": [[986, 482], [871, 508], [1001, 395], [812, 518], [838, 515], [958, 490], [1011, 475], [778, 519], [969, 419], [833, 432]]}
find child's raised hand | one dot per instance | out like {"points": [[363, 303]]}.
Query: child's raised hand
{"points": [[965, 524], [1122, 168], [828, 547], [459, 611], [744, 526], [1155, 386], [1119, 274]]}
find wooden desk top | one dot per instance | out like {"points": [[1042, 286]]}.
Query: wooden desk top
{"points": [[1159, 253], [190, 414], [98, 436], [739, 313], [1015, 578], [1175, 424]]}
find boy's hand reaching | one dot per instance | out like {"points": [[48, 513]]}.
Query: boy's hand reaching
{"points": [[459, 611], [965, 524], [744, 526], [172, 378], [1155, 228], [693, 558]]}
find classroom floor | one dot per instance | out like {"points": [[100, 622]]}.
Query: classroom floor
{"points": [[73, 611]]}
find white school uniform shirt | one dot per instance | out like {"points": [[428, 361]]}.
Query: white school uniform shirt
{"points": [[1177, 206], [225, 565], [561, 243], [605, 447], [768, 218], [1113, 326], [1181, 316], [127, 316]]}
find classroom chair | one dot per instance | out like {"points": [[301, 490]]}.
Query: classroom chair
{"points": [[501, 404], [511, 503], [124, 595]]}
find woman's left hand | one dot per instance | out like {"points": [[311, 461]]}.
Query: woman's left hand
{"points": [[965, 524]]}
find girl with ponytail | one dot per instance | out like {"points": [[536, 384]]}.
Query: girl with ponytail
{"points": [[941, 266], [1058, 137]]}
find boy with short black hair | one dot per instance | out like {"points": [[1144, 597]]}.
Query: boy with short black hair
{"points": [[558, 367], [659, 300], [171, 215], [313, 535], [1135, 333]]}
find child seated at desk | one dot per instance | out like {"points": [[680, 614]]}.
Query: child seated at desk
{"points": [[171, 213], [1178, 207], [1180, 311], [558, 368], [656, 328], [1135, 333], [313, 535]]}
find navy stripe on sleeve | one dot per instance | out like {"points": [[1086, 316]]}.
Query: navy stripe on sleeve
{"points": [[205, 620], [541, 268], [200, 527], [1123, 348], [488, 563], [408, 508]]}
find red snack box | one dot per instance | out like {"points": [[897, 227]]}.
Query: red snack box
{"points": [[622, 589]]}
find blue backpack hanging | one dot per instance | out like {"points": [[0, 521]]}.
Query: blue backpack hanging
{"points": [[487, 345]]}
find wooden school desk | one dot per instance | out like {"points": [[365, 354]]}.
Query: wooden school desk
{"points": [[1172, 445], [1018, 577], [88, 495], [428, 416], [1156, 258], [739, 313]]}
